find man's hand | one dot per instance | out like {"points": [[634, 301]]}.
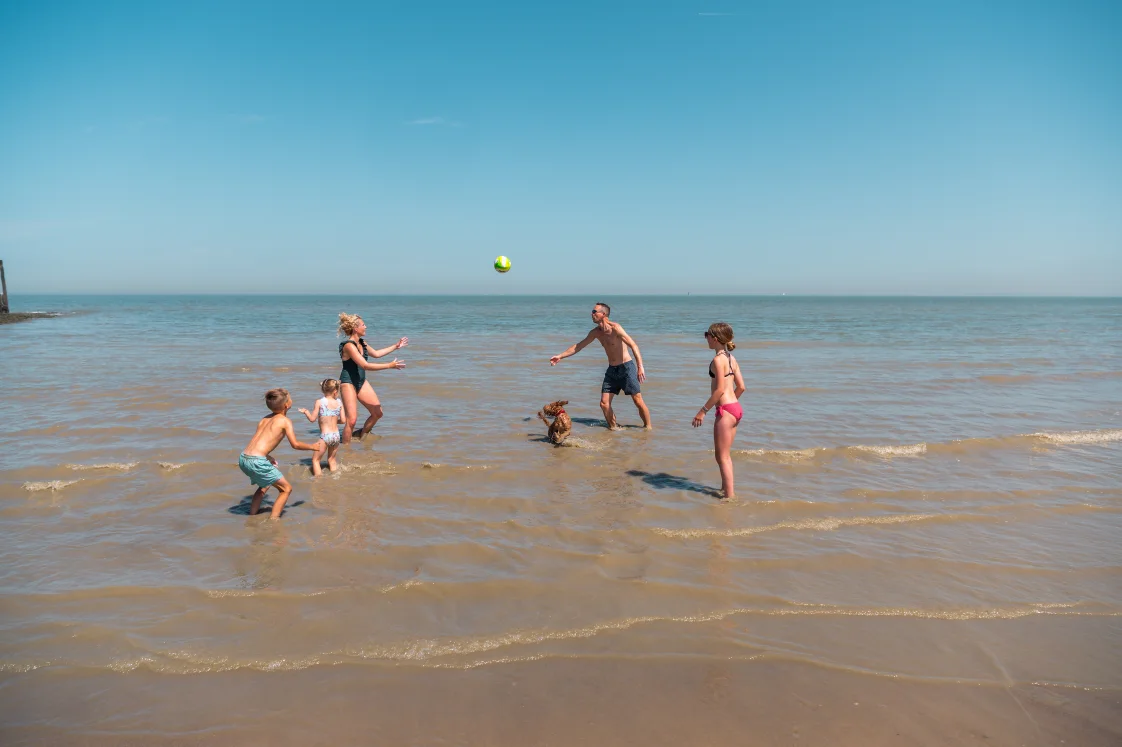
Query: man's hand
{"points": [[271, 460], [555, 360], [642, 374]]}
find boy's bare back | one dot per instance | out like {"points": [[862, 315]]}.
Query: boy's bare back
{"points": [[270, 431]]}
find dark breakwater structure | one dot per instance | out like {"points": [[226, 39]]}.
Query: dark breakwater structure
{"points": [[6, 315]]}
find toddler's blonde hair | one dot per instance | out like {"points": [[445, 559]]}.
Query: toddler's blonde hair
{"points": [[329, 386]]}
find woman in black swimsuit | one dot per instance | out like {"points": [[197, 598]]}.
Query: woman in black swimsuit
{"points": [[353, 386]]}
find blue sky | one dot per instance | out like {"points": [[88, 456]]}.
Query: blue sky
{"points": [[611, 147]]}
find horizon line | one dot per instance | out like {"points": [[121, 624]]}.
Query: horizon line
{"points": [[689, 294]]}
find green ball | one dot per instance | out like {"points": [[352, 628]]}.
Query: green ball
{"points": [[502, 264]]}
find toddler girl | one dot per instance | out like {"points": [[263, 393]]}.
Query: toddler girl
{"points": [[329, 410]]}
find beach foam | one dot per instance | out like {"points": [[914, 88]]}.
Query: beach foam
{"points": [[1078, 438], [120, 466], [51, 485]]}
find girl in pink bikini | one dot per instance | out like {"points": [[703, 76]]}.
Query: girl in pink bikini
{"points": [[726, 387]]}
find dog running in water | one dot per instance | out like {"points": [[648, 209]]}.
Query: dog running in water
{"points": [[561, 426]]}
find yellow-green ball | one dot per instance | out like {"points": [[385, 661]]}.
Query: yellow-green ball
{"points": [[502, 264]]}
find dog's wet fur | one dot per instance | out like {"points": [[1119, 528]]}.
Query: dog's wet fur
{"points": [[562, 425]]}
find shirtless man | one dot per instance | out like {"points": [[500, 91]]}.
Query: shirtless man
{"points": [[624, 373]]}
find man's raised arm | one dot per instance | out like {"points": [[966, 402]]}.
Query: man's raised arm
{"points": [[574, 349]]}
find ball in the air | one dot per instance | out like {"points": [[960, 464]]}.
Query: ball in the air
{"points": [[502, 264]]}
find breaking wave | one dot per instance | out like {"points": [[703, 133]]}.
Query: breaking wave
{"points": [[965, 445], [50, 485]]}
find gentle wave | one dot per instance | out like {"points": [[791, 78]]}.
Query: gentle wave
{"points": [[119, 466], [466, 467], [50, 485], [244, 593], [1081, 437], [428, 651], [1060, 438], [375, 468], [894, 451], [814, 525], [170, 465]]}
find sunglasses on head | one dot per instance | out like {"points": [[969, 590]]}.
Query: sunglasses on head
{"points": [[708, 333]]}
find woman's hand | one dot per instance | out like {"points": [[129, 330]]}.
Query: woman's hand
{"points": [[699, 418], [395, 363], [401, 343]]}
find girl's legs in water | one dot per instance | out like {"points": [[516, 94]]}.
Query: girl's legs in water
{"points": [[368, 398], [316, 469], [332, 462], [350, 405], [724, 431]]}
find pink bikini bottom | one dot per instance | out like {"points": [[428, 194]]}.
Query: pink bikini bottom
{"points": [[732, 409]]}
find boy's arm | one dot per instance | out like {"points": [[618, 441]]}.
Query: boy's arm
{"points": [[291, 434], [574, 349], [634, 352]]}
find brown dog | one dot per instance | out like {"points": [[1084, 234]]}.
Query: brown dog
{"points": [[561, 426]]}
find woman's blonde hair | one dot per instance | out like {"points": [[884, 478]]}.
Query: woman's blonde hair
{"points": [[348, 323], [722, 333], [329, 386]]}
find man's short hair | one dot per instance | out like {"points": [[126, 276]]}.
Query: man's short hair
{"points": [[275, 399], [607, 309]]}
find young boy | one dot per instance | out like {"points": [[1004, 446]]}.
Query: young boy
{"points": [[255, 462]]}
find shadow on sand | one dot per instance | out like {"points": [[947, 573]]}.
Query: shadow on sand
{"points": [[242, 509], [666, 481], [601, 423]]}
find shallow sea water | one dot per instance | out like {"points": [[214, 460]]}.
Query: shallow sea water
{"points": [[929, 503]]}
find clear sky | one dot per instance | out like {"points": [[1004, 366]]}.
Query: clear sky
{"points": [[944, 147]]}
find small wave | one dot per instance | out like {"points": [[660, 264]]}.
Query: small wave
{"points": [[957, 446], [376, 468], [889, 450], [438, 465], [784, 456], [428, 652], [247, 593], [120, 466], [1080, 437], [170, 465], [51, 485], [814, 525], [239, 593]]}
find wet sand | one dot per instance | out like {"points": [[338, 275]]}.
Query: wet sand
{"points": [[603, 701]]}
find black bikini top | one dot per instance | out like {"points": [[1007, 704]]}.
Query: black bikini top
{"points": [[730, 373]]}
